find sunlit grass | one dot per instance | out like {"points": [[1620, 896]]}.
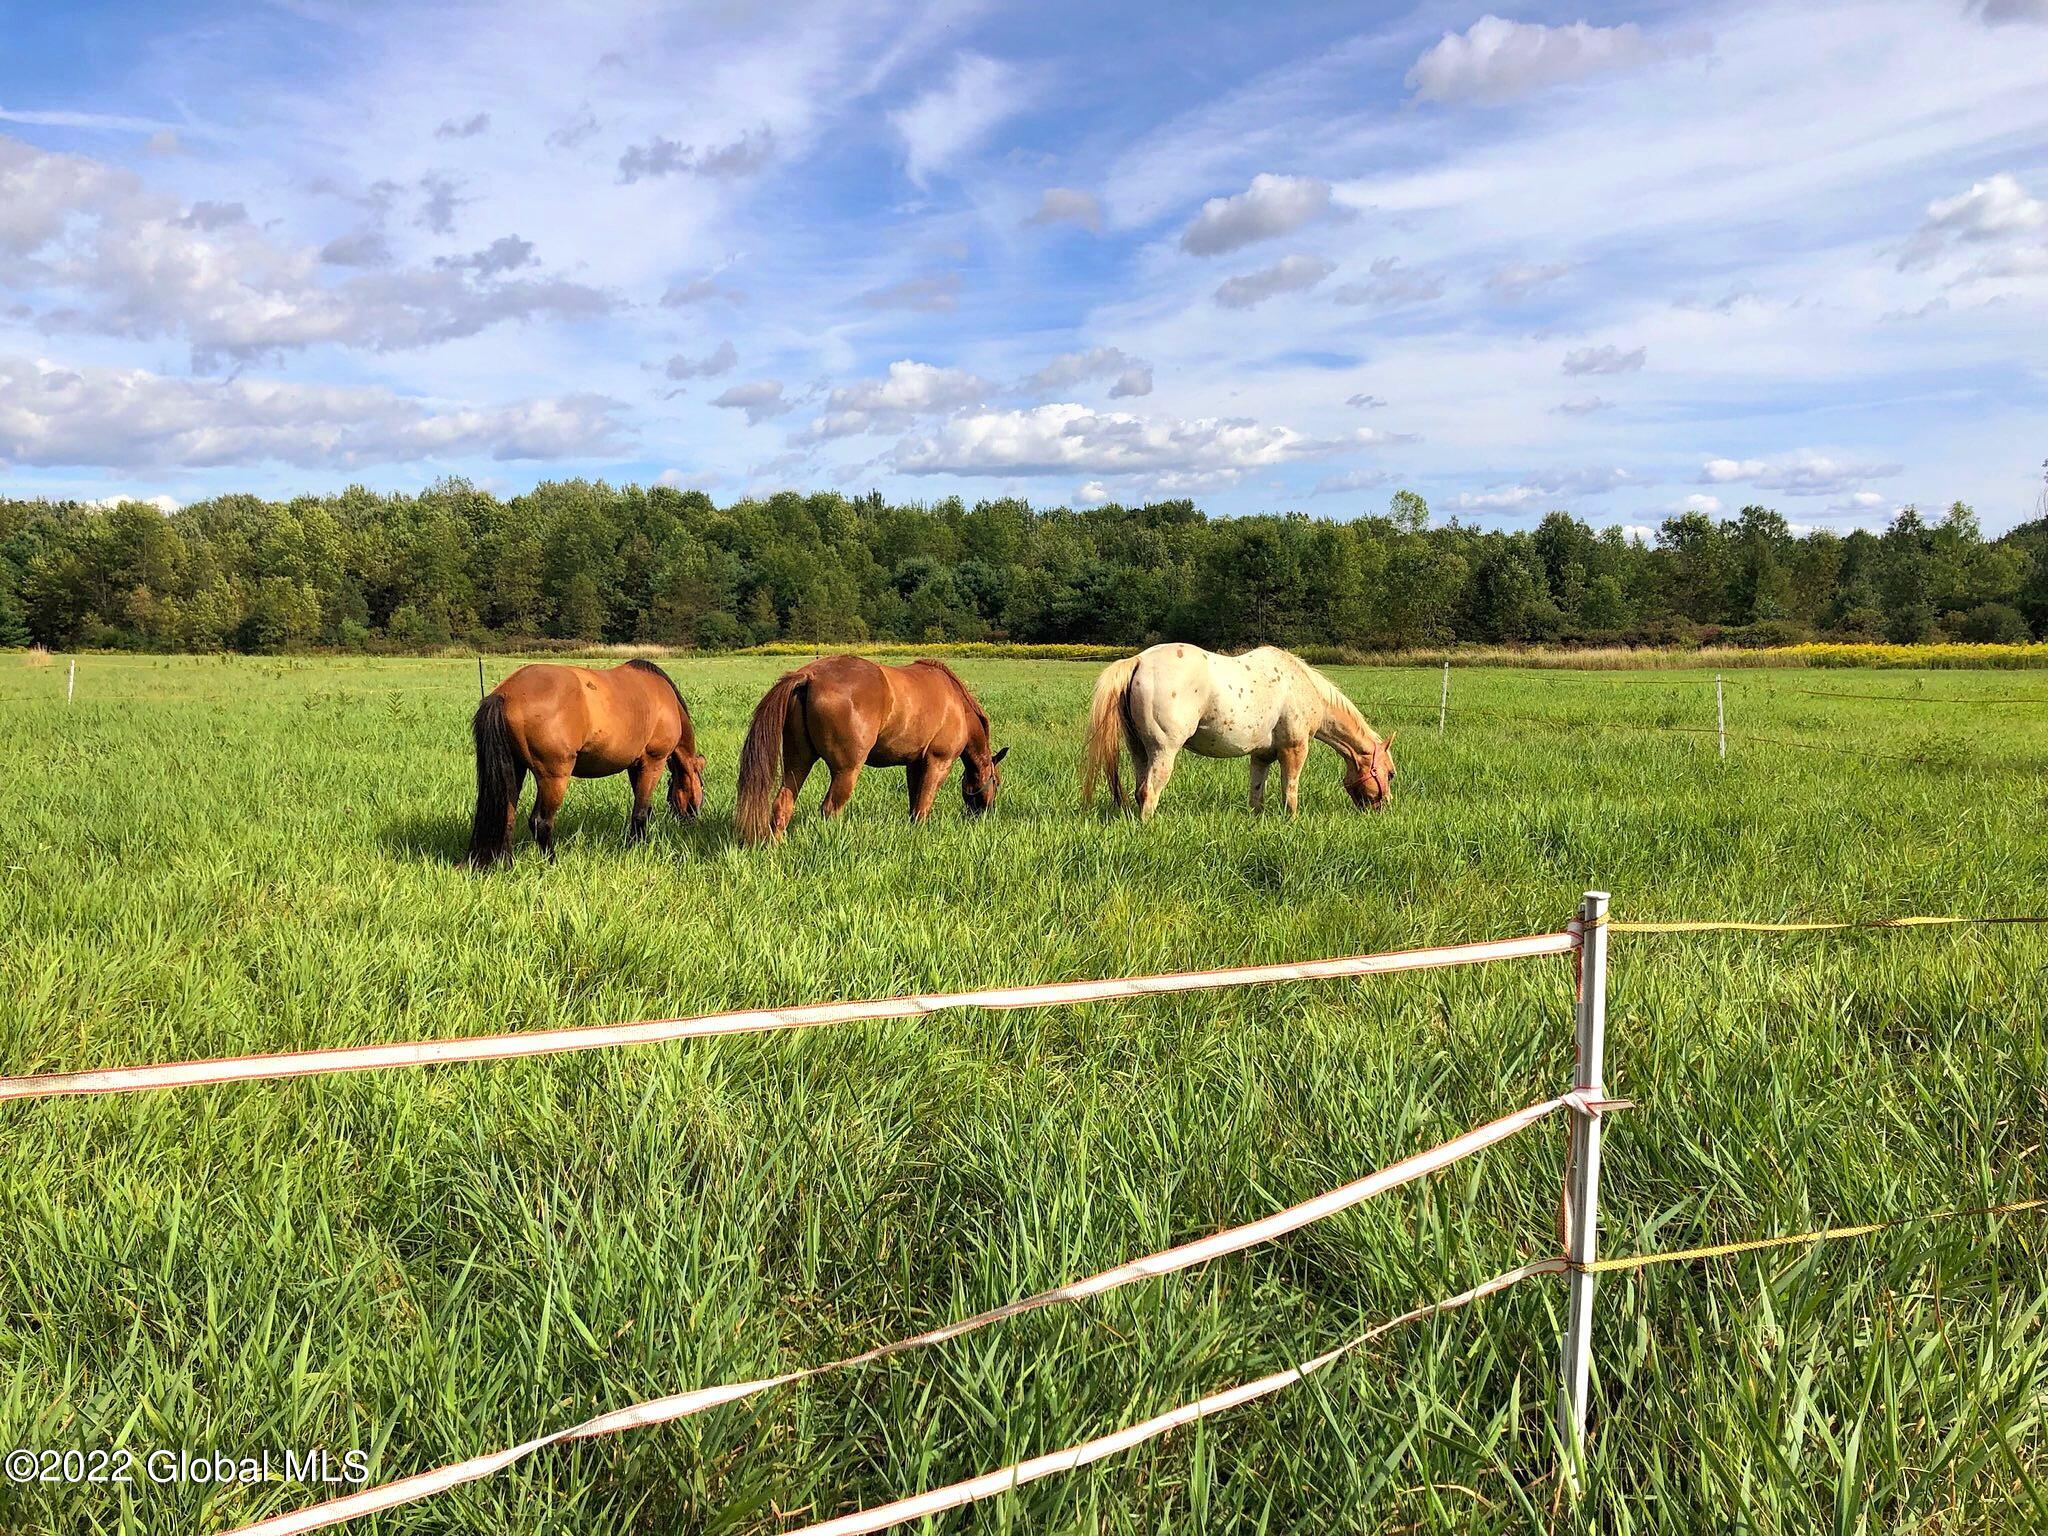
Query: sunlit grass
{"points": [[207, 856]]}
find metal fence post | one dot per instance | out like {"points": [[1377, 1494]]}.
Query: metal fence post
{"points": [[1443, 704], [1582, 1185], [1721, 717]]}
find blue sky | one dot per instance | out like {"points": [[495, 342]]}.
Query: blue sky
{"points": [[1624, 260]]}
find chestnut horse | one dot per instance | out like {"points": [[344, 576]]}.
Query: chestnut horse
{"points": [[853, 712], [1267, 704], [574, 722]]}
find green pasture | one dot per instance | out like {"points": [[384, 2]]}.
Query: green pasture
{"points": [[212, 856]]}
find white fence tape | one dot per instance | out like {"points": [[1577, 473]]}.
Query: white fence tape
{"points": [[590, 1037], [989, 1484], [1165, 1262]]}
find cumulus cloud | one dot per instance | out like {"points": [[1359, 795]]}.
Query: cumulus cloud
{"points": [[684, 292], [1860, 504], [129, 263], [1587, 360], [464, 128], [668, 157], [1495, 60], [1133, 376], [929, 295], [1518, 280], [438, 201], [205, 215], [362, 248], [1271, 206], [1583, 405], [1798, 474], [1290, 274], [1998, 12], [1994, 210], [1072, 439], [1391, 284], [1068, 205], [1543, 488], [132, 419], [909, 389], [952, 119], [507, 253], [722, 359], [1699, 501], [1093, 493], [761, 399], [1352, 480]]}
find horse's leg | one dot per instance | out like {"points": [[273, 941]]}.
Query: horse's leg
{"points": [[644, 776], [1158, 769], [795, 769], [1291, 759], [926, 775], [843, 780], [1261, 766], [549, 791]]}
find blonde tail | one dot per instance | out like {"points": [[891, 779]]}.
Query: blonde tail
{"points": [[1105, 731]]}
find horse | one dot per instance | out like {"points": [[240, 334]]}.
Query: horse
{"points": [[1267, 704], [852, 712], [576, 722]]}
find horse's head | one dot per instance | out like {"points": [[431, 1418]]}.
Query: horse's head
{"points": [[686, 784], [978, 785], [1369, 779]]}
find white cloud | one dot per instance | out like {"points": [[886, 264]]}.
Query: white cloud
{"points": [[130, 264], [698, 290], [1390, 285], [948, 122], [1093, 493], [928, 295], [1353, 480], [1290, 274], [1271, 206], [1610, 359], [1133, 376], [911, 389], [1366, 402], [1068, 438], [129, 418], [721, 359], [1998, 12], [761, 399], [1068, 205], [361, 248], [1860, 504], [464, 128], [668, 157], [1797, 474], [1518, 280], [1700, 502], [162, 503], [1993, 210], [507, 253], [1495, 60]]}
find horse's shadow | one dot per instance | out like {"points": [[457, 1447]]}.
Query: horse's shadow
{"points": [[442, 837]]}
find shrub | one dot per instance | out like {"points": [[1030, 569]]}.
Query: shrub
{"points": [[1993, 624]]}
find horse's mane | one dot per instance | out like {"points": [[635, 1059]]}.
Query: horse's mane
{"points": [[966, 693], [647, 666], [1334, 697]]}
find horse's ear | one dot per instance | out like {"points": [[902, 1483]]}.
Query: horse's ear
{"points": [[1390, 738], [1000, 756]]}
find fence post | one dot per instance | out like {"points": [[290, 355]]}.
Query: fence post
{"points": [[1720, 717], [1582, 1185], [479, 677], [71, 680], [1443, 704]]}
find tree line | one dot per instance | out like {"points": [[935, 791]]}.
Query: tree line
{"points": [[587, 562]]}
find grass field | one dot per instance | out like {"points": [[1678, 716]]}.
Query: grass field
{"points": [[204, 856]]}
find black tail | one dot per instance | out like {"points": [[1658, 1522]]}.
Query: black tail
{"points": [[499, 776]]}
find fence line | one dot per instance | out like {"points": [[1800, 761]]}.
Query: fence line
{"points": [[1165, 1262], [588, 1037]]}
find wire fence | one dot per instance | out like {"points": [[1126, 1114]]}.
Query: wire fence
{"points": [[1586, 1104]]}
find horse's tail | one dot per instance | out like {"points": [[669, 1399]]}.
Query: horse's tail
{"points": [[761, 761], [498, 775], [1105, 731]]}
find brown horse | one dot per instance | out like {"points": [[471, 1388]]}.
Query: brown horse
{"points": [[852, 712], [573, 722]]}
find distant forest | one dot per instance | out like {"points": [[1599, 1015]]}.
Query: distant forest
{"points": [[580, 562]]}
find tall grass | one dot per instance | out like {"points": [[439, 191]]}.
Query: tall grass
{"points": [[205, 856]]}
